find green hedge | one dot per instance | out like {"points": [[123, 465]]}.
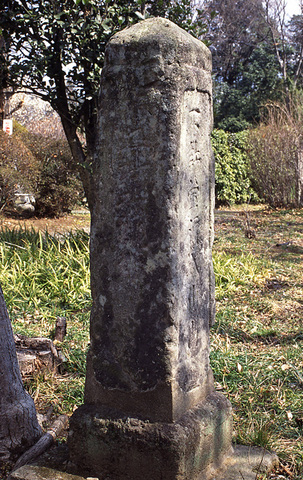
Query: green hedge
{"points": [[232, 168]]}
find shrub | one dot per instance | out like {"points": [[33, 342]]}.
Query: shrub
{"points": [[273, 165], [58, 186], [42, 166], [275, 150], [18, 169], [232, 176]]}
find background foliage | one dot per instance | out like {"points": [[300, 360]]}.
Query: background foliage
{"points": [[56, 50], [42, 166], [233, 184], [17, 164], [275, 152], [273, 159]]}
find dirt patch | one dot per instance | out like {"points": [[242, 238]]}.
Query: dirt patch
{"points": [[77, 220]]}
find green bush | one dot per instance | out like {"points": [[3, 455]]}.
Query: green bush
{"points": [[232, 169]]}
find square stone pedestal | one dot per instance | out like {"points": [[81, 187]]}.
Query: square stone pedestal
{"points": [[111, 445]]}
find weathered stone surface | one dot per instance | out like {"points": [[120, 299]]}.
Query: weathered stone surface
{"points": [[32, 472], [151, 236], [150, 408], [247, 463], [117, 446]]}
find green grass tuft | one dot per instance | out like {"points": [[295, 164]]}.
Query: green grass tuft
{"points": [[44, 276]]}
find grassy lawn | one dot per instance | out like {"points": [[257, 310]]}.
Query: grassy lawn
{"points": [[257, 339], [44, 276]]}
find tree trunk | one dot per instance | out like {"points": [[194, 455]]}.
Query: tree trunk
{"points": [[60, 104], [299, 173], [2, 86], [78, 155], [44, 443], [1, 107], [19, 428]]}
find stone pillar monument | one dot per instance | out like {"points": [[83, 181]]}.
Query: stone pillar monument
{"points": [[150, 407]]}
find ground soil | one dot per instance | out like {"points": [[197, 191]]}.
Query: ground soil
{"points": [[77, 220]]}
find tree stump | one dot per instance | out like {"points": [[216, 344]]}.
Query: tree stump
{"points": [[35, 354]]}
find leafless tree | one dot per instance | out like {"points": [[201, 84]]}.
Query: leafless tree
{"points": [[232, 34], [277, 21]]}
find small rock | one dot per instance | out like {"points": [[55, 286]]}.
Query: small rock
{"points": [[32, 472]]}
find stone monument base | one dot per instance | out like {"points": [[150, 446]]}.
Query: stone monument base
{"points": [[245, 462], [107, 443]]}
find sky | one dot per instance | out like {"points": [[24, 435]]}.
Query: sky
{"points": [[292, 7]]}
